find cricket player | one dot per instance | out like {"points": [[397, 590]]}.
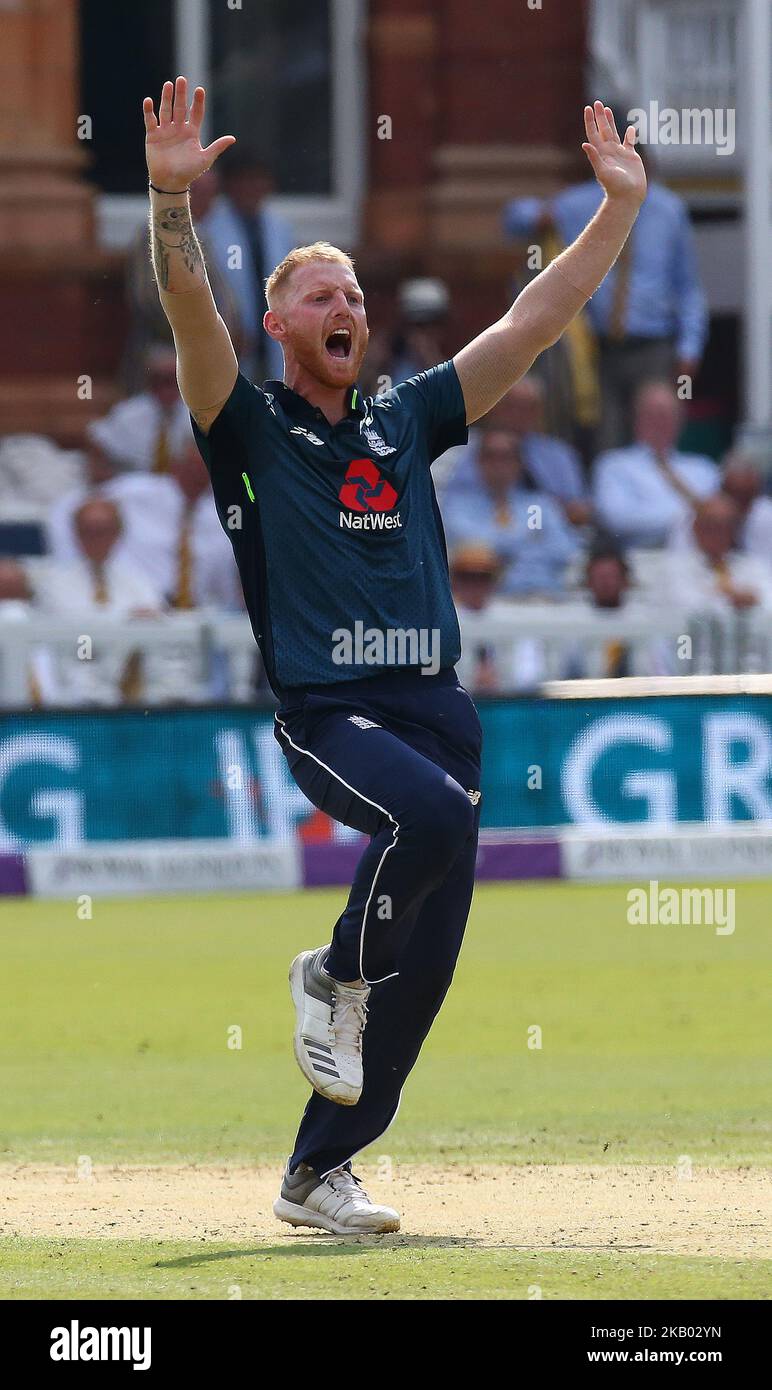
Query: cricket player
{"points": [[327, 499]]}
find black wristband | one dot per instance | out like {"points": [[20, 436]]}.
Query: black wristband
{"points": [[169, 192]]}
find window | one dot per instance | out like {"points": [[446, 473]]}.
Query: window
{"points": [[271, 81], [126, 53], [287, 79]]}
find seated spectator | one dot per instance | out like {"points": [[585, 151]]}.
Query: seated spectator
{"points": [[525, 527], [169, 523], [203, 570], [99, 467], [712, 574], [550, 464], [743, 481], [488, 666], [95, 583], [613, 602], [97, 578], [643, 492], [144, 431], [607, 577], [34, 469]]}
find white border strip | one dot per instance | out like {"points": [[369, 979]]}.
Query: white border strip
{"points": [[694, 852], [626, 686], [126, 868]]}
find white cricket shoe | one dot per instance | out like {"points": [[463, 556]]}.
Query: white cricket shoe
{"points": [[336, 1203], [331, 1019]]}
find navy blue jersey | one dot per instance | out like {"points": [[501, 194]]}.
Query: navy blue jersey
{"points": [[336, 529]]}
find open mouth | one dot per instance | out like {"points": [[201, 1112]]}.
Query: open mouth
{"points": [[339, 343]]}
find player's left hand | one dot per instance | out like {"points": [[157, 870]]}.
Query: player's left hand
{"points": [[616, 164]]}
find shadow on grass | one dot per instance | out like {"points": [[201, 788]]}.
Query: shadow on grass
{"points": [[323, 1245]]}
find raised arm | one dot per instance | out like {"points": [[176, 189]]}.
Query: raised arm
{"points": [[495, 360], [206, 363]]}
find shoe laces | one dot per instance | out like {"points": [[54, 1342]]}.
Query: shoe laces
{"points": [[343, 1180], [349, 1018]]}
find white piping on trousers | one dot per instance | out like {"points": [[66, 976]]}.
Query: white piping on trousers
{"points": [[395, 834], [368, 1142]]}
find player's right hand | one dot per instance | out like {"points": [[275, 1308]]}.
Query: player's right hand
{"points": [[173, 148]]}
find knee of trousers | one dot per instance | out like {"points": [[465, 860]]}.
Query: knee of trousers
{"points": [[441, 823]]}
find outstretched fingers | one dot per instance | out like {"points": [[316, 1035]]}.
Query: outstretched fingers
{"points": [[151, 123], [590, 125], [594, 156], [197, 108], [612, 122], [180, 101], [605, 129], [212, 152], [165, 104]]}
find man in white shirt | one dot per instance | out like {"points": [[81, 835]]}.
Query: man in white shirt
{"points": [[743, 482], [712, 574], [97, 579], [144, 432], [168, 521], [643, 492], [95, 584]]}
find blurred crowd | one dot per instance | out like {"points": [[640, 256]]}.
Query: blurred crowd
{"points": [[573, 492]]}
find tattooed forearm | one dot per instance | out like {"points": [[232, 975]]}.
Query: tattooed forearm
{"points": [[175, 249], [160, 261], [206, 363]]}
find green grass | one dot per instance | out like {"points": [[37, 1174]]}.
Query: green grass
{"points": [[655, 1040], [389, 1267], [114, 1043]]}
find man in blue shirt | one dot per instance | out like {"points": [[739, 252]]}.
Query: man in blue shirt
{"points": [[329, 505], [649, 315], [523, 525], [549, 464]]}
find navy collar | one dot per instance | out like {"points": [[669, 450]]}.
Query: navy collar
{"points": [[297, 405]]}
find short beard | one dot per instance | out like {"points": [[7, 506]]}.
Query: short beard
{"points": [[319, 368]]}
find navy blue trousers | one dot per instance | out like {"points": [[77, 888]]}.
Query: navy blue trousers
{"points": [[396, 756]]}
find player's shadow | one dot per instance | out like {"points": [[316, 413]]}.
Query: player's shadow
{"points": [[325, 1244]]}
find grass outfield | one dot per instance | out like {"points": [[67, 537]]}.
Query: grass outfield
{"points": [[114, 1044], [655, 1040], [370, 1269]]}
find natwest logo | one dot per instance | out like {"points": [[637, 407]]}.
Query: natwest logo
{"points": [[365, 490], [367, 497]]}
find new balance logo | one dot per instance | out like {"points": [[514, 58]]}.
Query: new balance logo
{"points": [[307, 434], [474, 797], [363, 723]]}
